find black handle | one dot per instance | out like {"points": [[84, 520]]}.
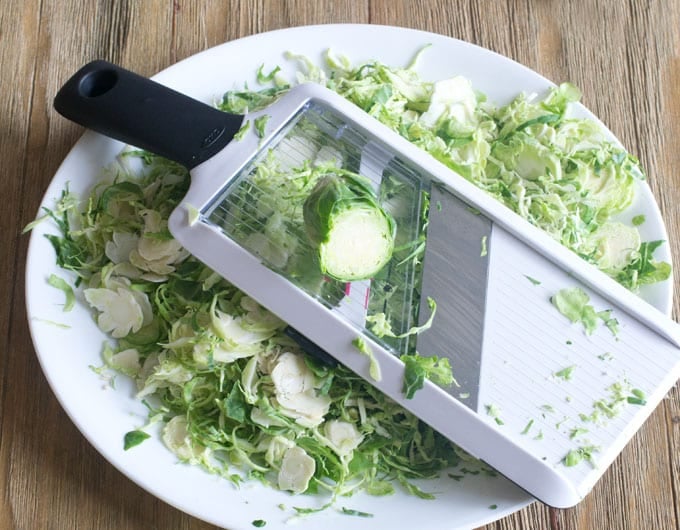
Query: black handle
{"points": [[136, 110], [310, 347]]}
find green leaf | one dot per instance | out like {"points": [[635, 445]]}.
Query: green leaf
{"points": [[494, 411], [644, 269], [576, 432], [379, 488], [417, 369], [565, 373], [414, 490], [121, 192], [528, 426], [356, 513], [484, 250], [260, 125], [414, 375], [134, 438], [574, 304], [638, 397], [382, 328], [235, 404], [374, 367], [576, 456], [307, 511], [610, 322], [70, 255], [62, 285], [242, 101], [242, 130], [570, 302], [383, 94], [546, 118], [263, 78], [638, 220]]}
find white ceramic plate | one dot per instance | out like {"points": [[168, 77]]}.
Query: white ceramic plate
{"points": [[104, 414]]}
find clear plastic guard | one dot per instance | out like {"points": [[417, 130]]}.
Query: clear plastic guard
{"points": [[261, 209]]}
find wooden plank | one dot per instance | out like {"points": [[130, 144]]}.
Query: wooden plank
{"points": [[19, 29], [669, 198], [57, 479]]}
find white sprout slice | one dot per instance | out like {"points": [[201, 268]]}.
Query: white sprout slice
{"points": [[359, 244], [297, 468]]}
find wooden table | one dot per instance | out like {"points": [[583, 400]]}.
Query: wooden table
{"points": [[624, 55]]}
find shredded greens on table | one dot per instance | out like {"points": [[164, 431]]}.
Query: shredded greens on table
{"points": [[238, 396]]}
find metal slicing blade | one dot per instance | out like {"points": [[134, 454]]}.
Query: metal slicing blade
{"points": [[455, 275]]}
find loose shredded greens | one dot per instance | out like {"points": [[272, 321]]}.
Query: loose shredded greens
{"points": [[235, 392], [565, 373], [557, 171], [574, 303], [357, 513], [576, 456], [62, 285], [417, 369], [374, 366]]}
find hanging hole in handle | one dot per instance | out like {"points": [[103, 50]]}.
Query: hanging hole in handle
{"points": [[97, 83]]}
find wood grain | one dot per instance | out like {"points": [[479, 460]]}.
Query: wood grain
{"points": [[625, 56]]}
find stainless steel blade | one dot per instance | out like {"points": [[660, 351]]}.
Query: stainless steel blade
{"points": [[455, 274]]}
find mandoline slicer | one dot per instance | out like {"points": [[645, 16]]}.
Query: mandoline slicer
{"points": [[532, 386]]}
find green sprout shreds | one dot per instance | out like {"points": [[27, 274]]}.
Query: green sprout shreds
{"points": [[417, 369], [574, 303], [374, 366], [578, 455], [63, 285], [234, 393]]}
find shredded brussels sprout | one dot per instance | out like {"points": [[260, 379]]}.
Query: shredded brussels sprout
{"points": [[557, 171], [237, 395]]}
